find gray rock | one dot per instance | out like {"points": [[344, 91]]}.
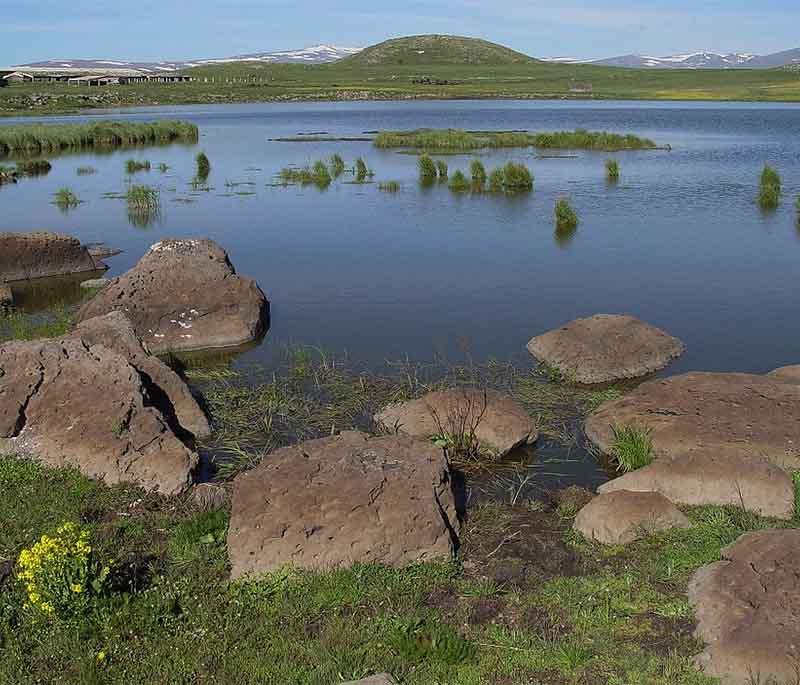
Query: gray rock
{"points": [[620, 517], [185, 295], [340, 500], [499, 422], [25, 256], [606, 347], [95, 283], [748, 610]]}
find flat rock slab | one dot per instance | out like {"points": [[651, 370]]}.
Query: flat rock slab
{"points": [[68, 402], [606, 347], [787, 374], [185, 295], [25, 256], [380, 679], [501, 424], [95, 283], [620, 517], [706, 478], [727, 414], [748, 610], [340, 500]]}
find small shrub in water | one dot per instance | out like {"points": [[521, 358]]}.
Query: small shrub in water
{"points": [[203, 166], [517, 177], [389, 186], [133, 165], [769, 195], [633, 447], [441, 169], [477, 171], [66, 199], [60, 574], [770, 177], [459, 182], [337, 166], [427, 168], [566, 217], [612, 169], [497, 180]]}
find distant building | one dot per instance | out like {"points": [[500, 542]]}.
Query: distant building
{"points": [[75, 76]]}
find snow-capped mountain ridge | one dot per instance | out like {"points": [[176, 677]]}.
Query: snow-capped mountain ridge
{"points": [[702, 59]]}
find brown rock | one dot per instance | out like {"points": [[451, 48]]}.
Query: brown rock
{"points": [[787, 374], [34, 255], [165, 387], [501, 423], [748, 610], [185, 295], [6, 296], [620, 517], [727, 414], [208, 496], [341, 500], [606, 347], [706, 478], [67, 402]]}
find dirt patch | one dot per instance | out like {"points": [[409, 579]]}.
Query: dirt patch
{"points": [[485, 611], [544, 624], [664, 636]]}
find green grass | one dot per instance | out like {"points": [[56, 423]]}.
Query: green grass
{"points": [[459, 183], [632, 447], [496, 180], [34, 167], [133, 166], [517, 177], [612, 170], [337, 166], [317, 174], [477, 171], [769, 194], [203, 166], [441, 169], [21, 326], [565, 215], [65, 199], [38, 138], [427, 169], [389, 186], [144, 205]]}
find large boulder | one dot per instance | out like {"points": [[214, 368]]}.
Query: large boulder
{"points": [[606, 347], [499, 422], [748, 610], [722, 414], [341, 500], [707, 478], [787, 374], [25, 256], [617, 518], [77, 401], [165, 387], [185, 295]]}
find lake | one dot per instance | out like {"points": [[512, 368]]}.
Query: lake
{"points": [[679, 241]]}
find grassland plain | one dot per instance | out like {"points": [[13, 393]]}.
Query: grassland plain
{"points": [[352, 79]]}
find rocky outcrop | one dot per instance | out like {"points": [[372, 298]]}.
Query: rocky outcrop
{"points": [[341, 500], [620, 517], [96, 401], [787, 374], [606, 347], [185, 295], [25, 256], [707, 478], [748, 610], [498, 422], [727, 415]]}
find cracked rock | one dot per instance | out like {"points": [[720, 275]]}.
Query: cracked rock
{"points": [[341, 500]]}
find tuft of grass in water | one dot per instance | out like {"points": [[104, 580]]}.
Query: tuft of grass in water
{"points": [[441, 169], [517, 177], [477, 172], [85, 171], [144, 205], [612, 169], [203, 166], [317, 175], [565, 215], [337, 165], [389, 186], [497, 180], [322, 177], [362, 171], [427, 169], [632, 447], [65, 199], [163, 168], [133, 166], [34, 167], [769, 195], [459, 182]]}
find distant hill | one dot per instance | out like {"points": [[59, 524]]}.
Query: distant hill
{"points": [[436, 49], [695, 60]]}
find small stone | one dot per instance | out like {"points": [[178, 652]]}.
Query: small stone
{"points": [[620, 517], [95, 283]]}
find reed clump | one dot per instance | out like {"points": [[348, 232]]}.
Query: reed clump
{"points": [[362, 171], [203, 166], [612, 170], [317, 175], [565, 215], [459, 182], [144, 205], [133, 166], [34, 167], [85, 171], [517, 177], [65, 199], [389, 186], [427, 169], [769, 195], [441, 169], [478, 172]]}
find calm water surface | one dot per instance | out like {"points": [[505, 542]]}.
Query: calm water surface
{"points": [[679, 242]]}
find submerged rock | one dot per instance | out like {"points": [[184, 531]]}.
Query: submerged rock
{"points": [[710, 415], [748, 610], [95, 400], [185, 295], [499, 422], [606, 347], [25, 256], [341, 500], [620, 517]]}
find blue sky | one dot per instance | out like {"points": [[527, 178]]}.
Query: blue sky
{"points": [[173, 29]]}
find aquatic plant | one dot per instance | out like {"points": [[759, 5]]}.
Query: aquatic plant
{"points": [[322, 176], [389, 186], [337, 165], [517, 177], [34, 167], [132, 166], [65, 199], [565, 215], [85, 170], [203, 166], [38, 138], [144, 205], [362, 171], [497, 180], [770, 176], [769, 194], [477, 171], [441, 169], [581, 139], [632, 447], [427, 168], [317, 175], [163, 168], [459, 182], [612, 169]]}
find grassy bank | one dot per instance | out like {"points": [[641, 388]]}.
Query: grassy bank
{"points": [[38, 138]]}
